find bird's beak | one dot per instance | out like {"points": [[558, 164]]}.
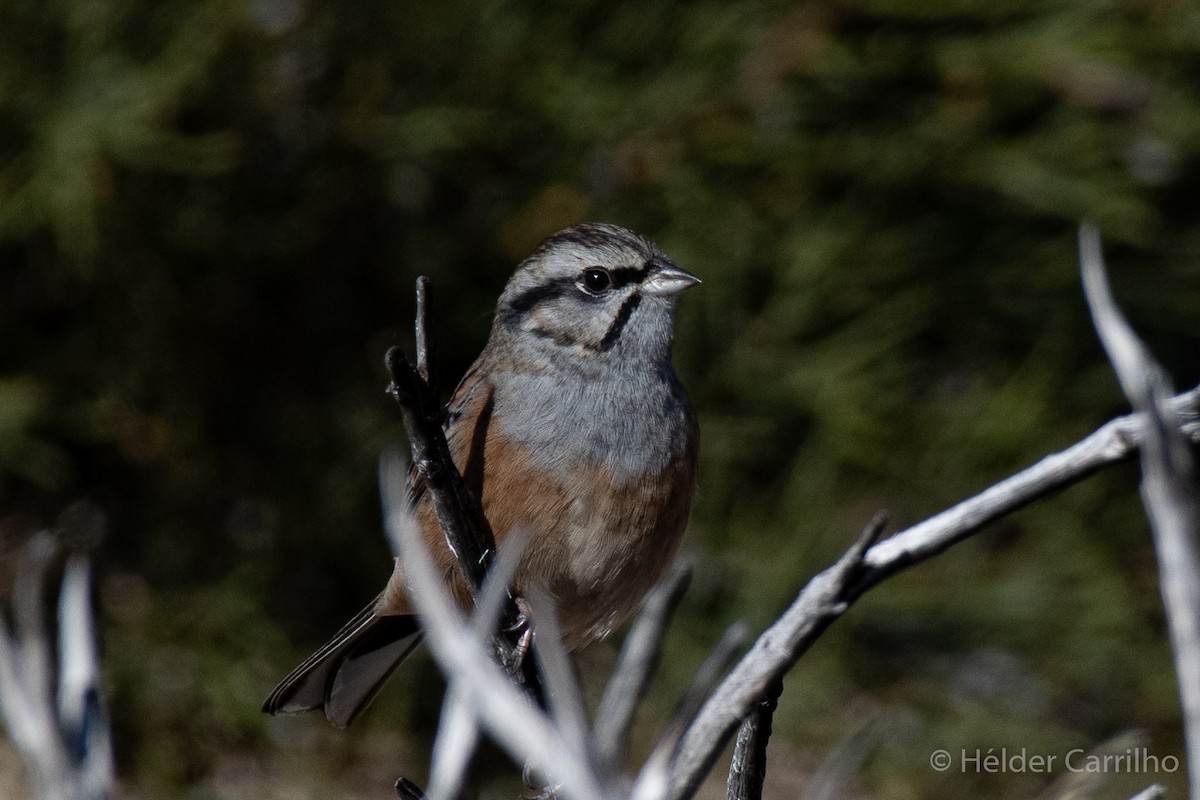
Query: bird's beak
{"points": [[668, 280]]}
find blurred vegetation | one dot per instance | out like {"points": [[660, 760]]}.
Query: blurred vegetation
{"points": [[212, 213]]}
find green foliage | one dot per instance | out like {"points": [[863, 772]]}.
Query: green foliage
{"points": [[211, 215]]}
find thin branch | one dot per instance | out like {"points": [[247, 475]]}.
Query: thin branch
{"points": [[458, 511], [1113, 442], [637, 662], [491, 602], [35, 658], [457, 732], [1168, 485], [828, 594], [748, 765], [563, 695], [832, 778], [457, 738], [426, 352], [25, 700], [654, 780], [773, 653], [82, 717]]}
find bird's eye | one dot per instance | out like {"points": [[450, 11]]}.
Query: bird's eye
{"points": [[596, 280]]}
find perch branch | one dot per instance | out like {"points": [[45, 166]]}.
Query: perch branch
{"points": [[1168, 485], [458, 510]]}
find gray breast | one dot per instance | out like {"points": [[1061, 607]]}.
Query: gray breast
{"points": [[633, 425]]}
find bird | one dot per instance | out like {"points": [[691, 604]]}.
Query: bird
{"points": [[573, 429]]}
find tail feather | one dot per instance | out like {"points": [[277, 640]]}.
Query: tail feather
{"points": [[343, 677]]}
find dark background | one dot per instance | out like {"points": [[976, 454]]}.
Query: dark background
{"points": [[212, 214]]}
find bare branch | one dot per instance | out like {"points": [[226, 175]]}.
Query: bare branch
{"points": [[781, 645], [639, 658], [1113, 442], [697, 696], [457, 738], [426, 352], [81, 713], [458, 734], [1168, 485], [563, 695], [61, 731], [491, 602], [25, 663], [654, 780], [828, 594], [34, 657]]}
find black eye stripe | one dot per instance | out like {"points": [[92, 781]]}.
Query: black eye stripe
{"points": [[533, 297], [623, 276], [529, 299]]}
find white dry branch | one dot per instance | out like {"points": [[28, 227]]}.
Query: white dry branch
{"points": [[1168, 485], [831, 592], [52, 706]]}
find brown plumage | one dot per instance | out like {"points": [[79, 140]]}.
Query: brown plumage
{"points": [[572, 427]]}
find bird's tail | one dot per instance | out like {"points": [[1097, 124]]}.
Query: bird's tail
{"points": [[343, 677]]}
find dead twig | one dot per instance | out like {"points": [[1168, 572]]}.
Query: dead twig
{"points": [[458, 510], [640, 653], [59, 726]]}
